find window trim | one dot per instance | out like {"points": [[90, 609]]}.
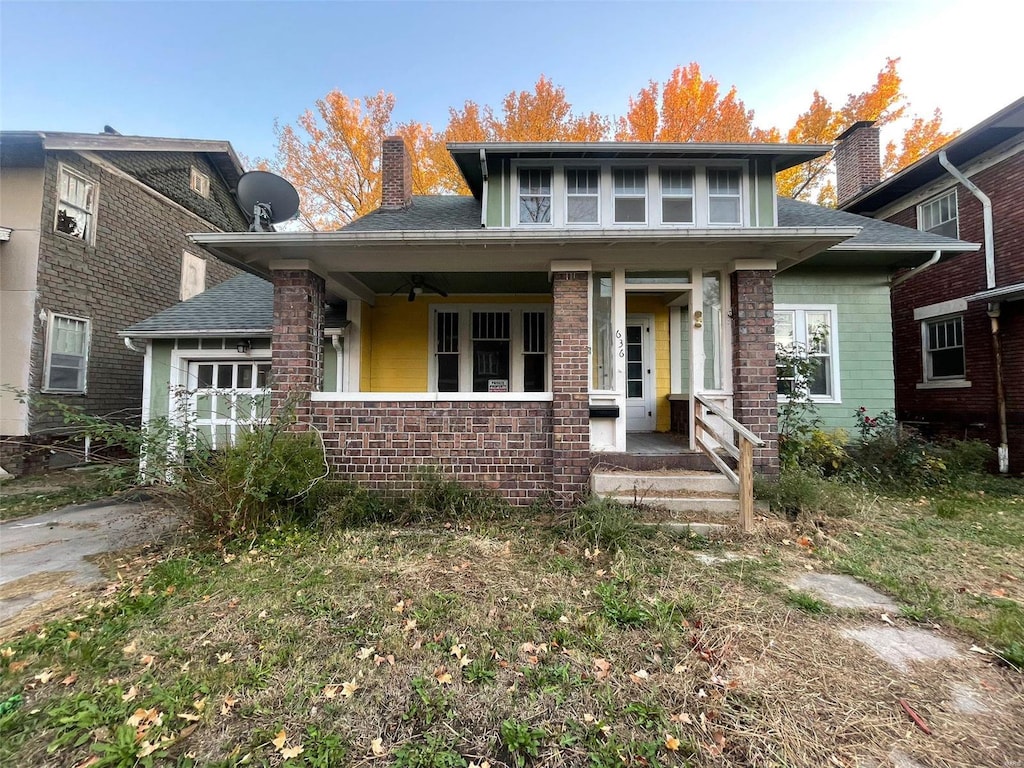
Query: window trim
{"points": [[465, 313], [928, 379], [517, 198], [951, 192], [646, 170], [600, 188], [48, 354], [203, 189], [663, 195], [833, 310], [63, 168], [707, 169]]}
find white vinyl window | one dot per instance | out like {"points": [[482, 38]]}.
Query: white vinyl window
{"points": [[67, 354], [724, 198], [939, 215], [677, 195], [199, 182], [490, 348], [629, 187], [582, 196], [810, 332], [535, 196], [76, 205], [943, 345]]}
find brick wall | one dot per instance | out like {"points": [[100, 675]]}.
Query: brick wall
{"points": [[504, 446], [132, 271], [971, 412], [570, 424], [297, 344], [396, 174], [753, 346]]}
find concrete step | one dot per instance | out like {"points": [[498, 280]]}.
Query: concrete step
{"points": [[712, 505], [645, 484]]}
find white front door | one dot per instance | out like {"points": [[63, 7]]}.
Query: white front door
{"points": [[639, 373]]}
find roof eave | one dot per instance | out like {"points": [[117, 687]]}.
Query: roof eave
{"points": [[174, 333]]}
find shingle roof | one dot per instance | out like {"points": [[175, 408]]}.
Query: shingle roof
{"points": [[243, 303], [427, 212], [875, 233]]}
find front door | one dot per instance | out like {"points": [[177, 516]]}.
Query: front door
{"points": [[639, 374]]}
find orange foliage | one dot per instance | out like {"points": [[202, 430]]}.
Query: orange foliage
{"points": [[923, 136]]}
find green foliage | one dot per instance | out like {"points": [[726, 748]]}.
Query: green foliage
{"points": [[263, 480], [806, 602], [521, 741], [603, 523], [798, 415], [619, 607], [323, 749], [801, 492], [431, 751], [428, 703], [892, 458], [481, 670]]}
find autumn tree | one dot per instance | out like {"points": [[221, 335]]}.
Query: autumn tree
{"points": [[923, 136]]}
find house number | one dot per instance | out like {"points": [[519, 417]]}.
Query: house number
{"points": [[622, 346]]}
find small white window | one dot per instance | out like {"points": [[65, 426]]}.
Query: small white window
{"points": [[67, 354], [76, 205], [724, 203], [199, 183], [939, 215], [677, 195], [193, 275], [630, 198], [582, 193], [535, 196], [810, 332], [943, 344]]}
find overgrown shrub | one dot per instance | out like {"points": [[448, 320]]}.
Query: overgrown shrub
{"points": [[603, 523], [801, 492]]}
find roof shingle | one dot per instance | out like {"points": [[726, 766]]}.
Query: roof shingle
{"points": [[243, 303]]}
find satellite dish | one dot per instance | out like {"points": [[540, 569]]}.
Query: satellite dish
{"points": [[270, 198]]}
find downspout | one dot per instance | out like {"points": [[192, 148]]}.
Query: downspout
{"points": [[916, 270], [131, 345], [483, 194], [339, 365], [993, 309]]}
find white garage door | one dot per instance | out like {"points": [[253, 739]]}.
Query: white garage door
{"points": [[227, 396]]}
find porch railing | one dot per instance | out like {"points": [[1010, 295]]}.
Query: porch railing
{"points": [[743, 453]]}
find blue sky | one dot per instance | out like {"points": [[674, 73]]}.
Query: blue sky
{"points": [[227, 70]]}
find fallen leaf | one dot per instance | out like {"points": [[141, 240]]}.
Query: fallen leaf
{"points": [[147, 748], [7, 652], [377, 746], [45, 676], [279, 740], [639, 676], [671, 743], [130, 694], [289, 752], [129, 649], [229, 702], [398, 607], [349, 689], [189, 717], [73, 635], [999, 592], [149, 659], [69, 680], [225, 658], [410, 625], [17, 666], [977, 649], [887, 620], [365, 653], [805, 541], [443, 676]]}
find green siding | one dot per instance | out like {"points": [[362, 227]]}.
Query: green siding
{"points": [[160, 379], [495, 183], [864, 336], [765, 194]]}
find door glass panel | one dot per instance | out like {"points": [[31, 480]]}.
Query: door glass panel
{"points": [[224, 376], [263, 375], [603, 359], [244, 376], [712, 331], [205, 377], [634, 361]]}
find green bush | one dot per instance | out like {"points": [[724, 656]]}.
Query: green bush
{"points": [[800, 492], [603, 523]]}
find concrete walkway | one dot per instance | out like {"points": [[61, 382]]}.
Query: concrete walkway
{"points": [[47, 560]]}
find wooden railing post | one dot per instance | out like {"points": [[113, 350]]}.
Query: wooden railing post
{"points": [[746, 474]]}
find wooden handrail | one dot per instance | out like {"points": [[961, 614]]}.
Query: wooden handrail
{"points": [[743, 453]]}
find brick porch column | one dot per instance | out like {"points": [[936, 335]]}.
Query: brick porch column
{"points": [[570, 455], [755, 404], [297, 366]]}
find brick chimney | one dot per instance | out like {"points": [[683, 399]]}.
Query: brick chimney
{"points": [[396, 174], [857, 160]]}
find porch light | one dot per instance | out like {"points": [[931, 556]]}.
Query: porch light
{"points": [[243, 347]]}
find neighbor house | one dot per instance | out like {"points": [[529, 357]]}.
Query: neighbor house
{"points": [[589, 302], [93, 238], [958, 324]]}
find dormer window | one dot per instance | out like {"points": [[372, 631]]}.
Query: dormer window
{"points": [[535, 196], [630, 195], [724, 196], [582, 196], [677, 195]]}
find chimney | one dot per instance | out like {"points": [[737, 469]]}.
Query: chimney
{"points": [[396, 174], [857, 160]]}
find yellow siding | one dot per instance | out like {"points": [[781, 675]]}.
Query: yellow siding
{"points": [[365, 349], [400, 334], [654, 305]]}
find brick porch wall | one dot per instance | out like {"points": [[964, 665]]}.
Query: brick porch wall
{"points": [[570, 473], [297, 345], [505, 446], [753, 343]]}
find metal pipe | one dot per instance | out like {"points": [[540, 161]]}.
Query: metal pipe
{"points": [[997, 351], [986, 209], [916, 270]]}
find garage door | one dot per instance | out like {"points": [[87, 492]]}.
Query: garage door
{"points": [[226, 397]]}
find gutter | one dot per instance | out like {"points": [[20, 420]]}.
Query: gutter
{"points": [[483, 192], [916, 270]]}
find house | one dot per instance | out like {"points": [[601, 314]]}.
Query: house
{"points": [[94, 238], [585, 297], [958, 324]]}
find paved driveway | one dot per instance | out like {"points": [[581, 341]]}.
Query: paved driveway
{"points": [[46, 561]]}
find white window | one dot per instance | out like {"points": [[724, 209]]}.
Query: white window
{"points": [[535, 196], [488, 348], [943, 345], [939, 215], [724, 200], [199, 182], [67, 354], [629, 186], [677, 195], [808, 332], [193, 275], [76, 205], [582, 196], [226, 397]]}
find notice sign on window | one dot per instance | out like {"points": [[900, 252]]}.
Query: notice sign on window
{"points": [[497, 385]]}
